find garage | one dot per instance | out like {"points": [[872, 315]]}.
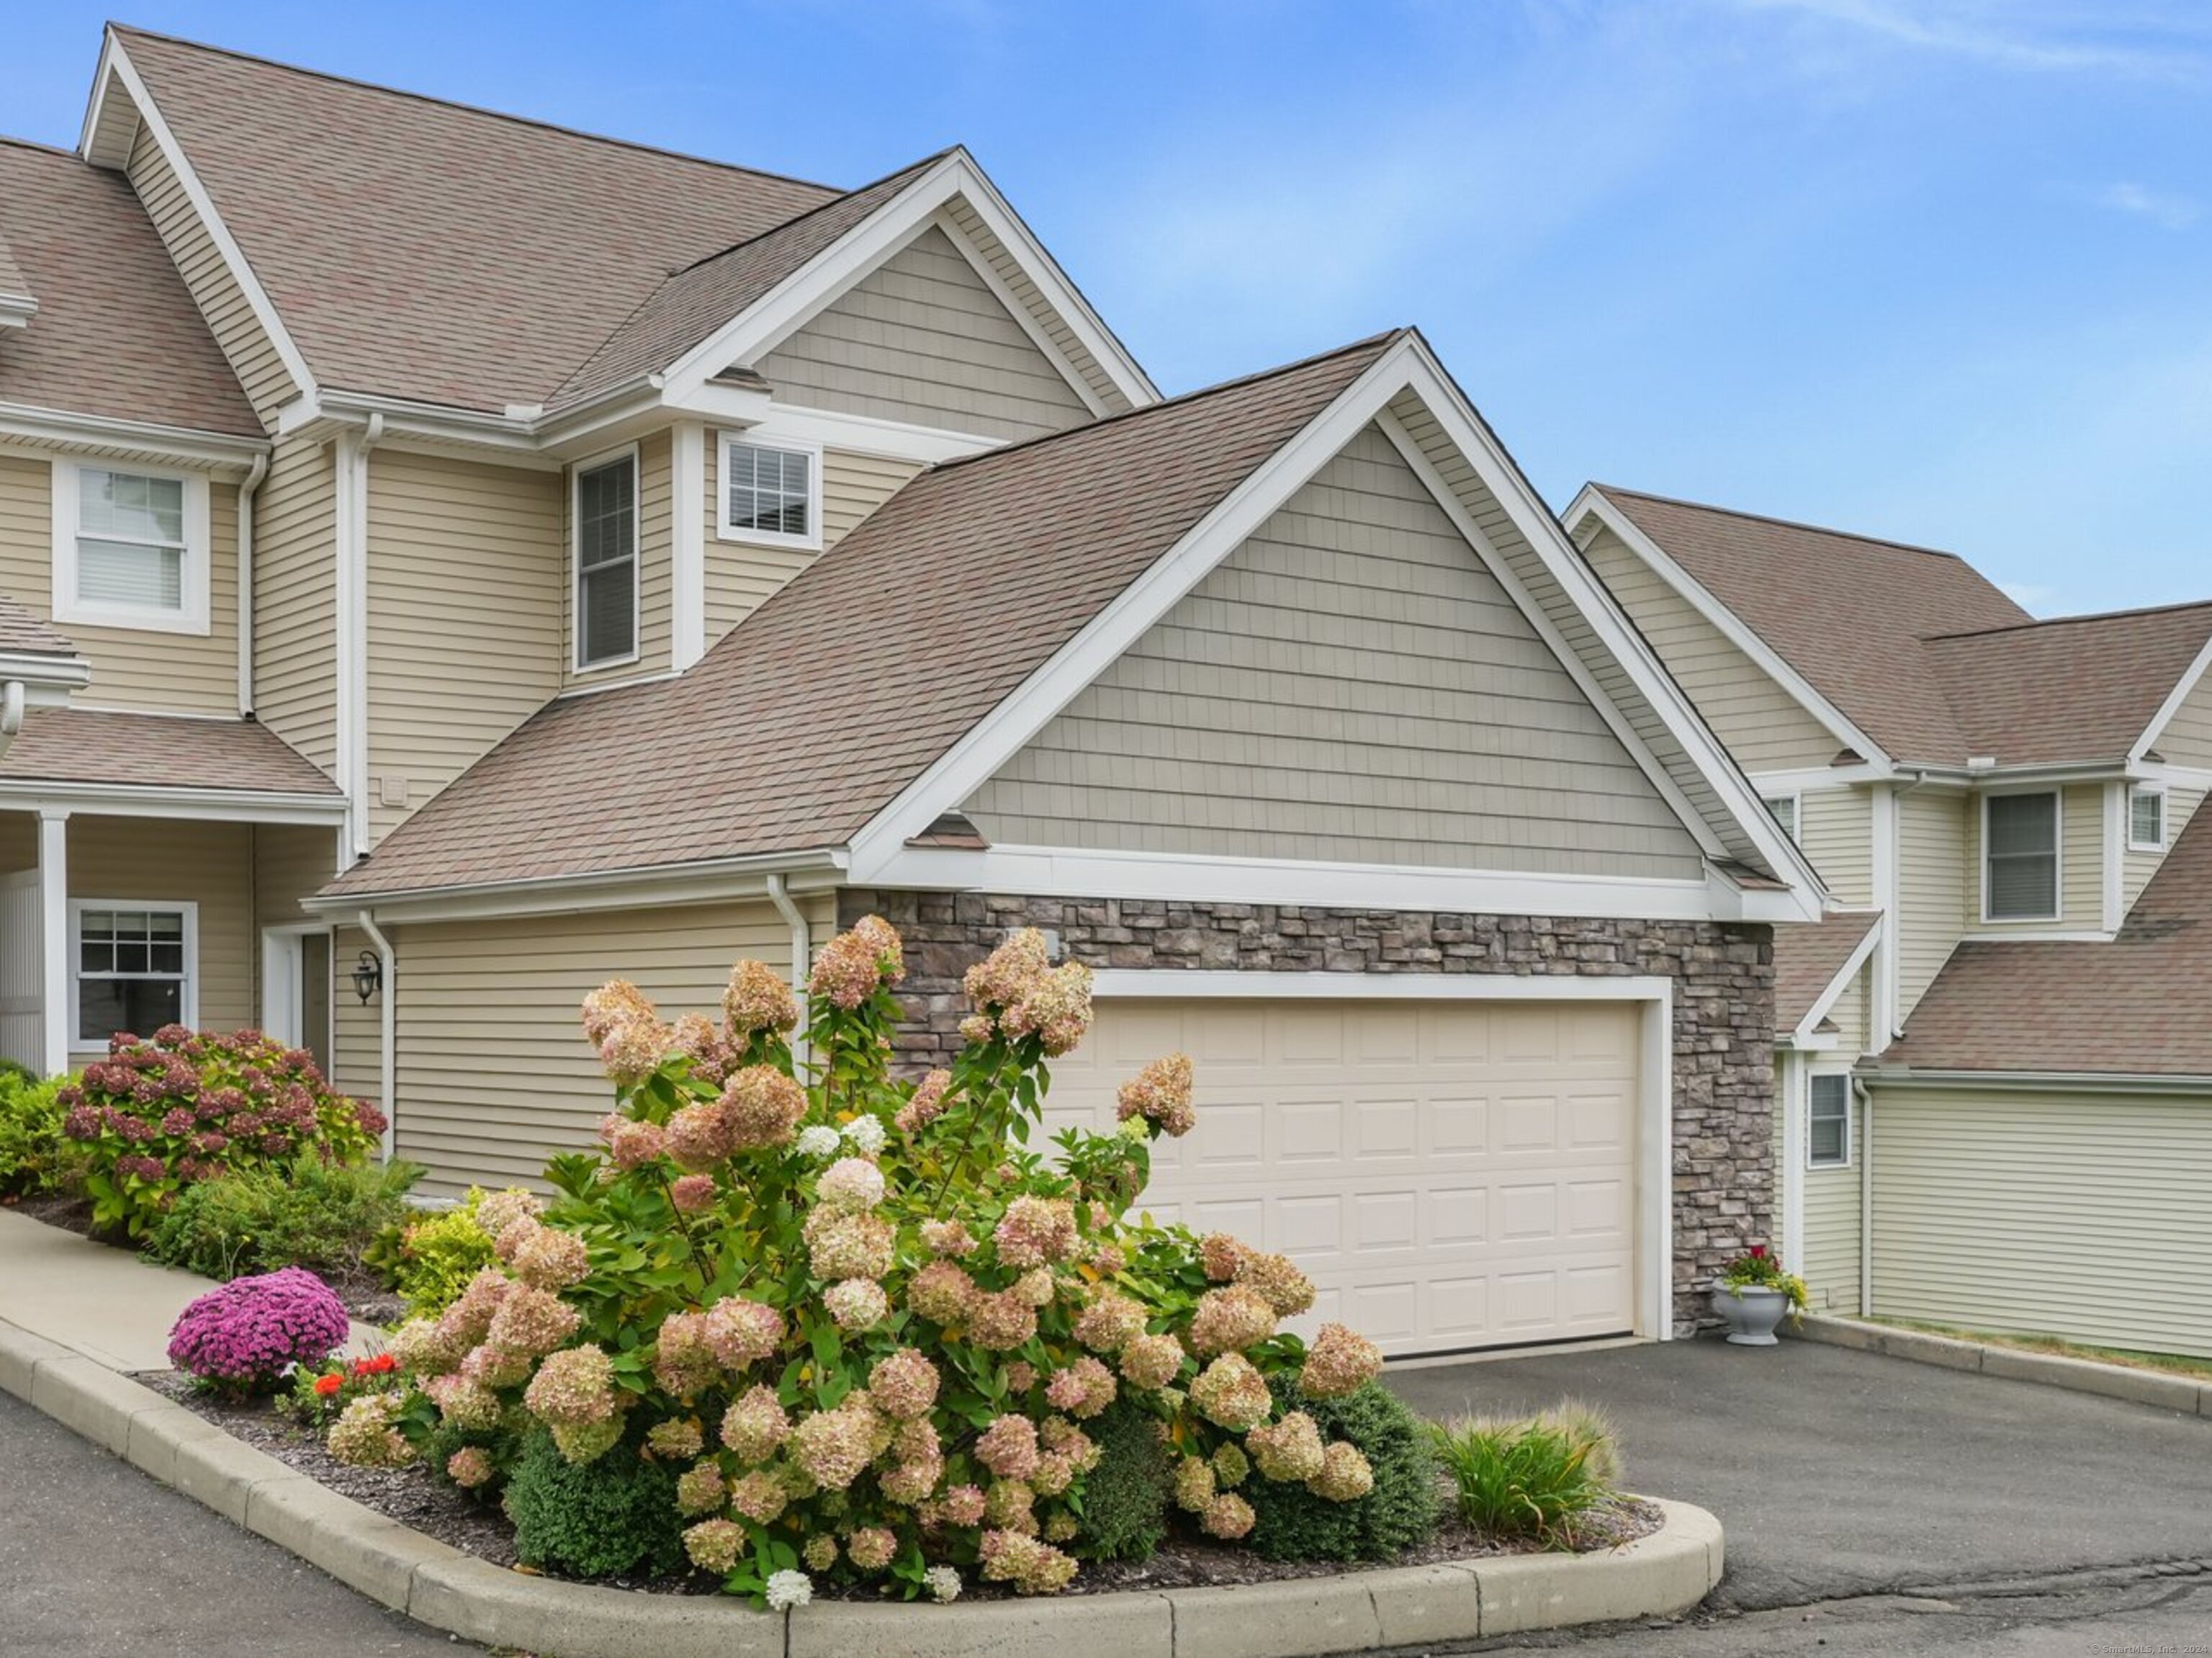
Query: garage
{"points": [[1455, 1170]]}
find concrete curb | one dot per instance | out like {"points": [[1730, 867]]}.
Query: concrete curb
{"points": [[2183, 1393], [1660, 1576]]}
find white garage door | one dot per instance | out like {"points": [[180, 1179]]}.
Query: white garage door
{"points": [[1453, 1174]]}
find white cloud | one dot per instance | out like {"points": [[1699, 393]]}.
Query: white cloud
{"points": [[2007, 34], [2161, 207]]}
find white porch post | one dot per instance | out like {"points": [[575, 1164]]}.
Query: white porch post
{"points": [[53, 938]]}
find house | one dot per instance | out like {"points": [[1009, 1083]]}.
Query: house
{"points": [[1995, 1077], [454, 560]]}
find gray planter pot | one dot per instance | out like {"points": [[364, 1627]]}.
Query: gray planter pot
{"points": [[1751, 1314]]}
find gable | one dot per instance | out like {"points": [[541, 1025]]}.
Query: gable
{"points": [[2186, 738], [923, 339], [1761, 724], [1351, 684]]}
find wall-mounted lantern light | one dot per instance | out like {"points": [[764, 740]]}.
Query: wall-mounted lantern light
{"points": [[368, 976]]}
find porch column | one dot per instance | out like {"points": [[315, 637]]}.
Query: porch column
{"points": [[53, 938]]}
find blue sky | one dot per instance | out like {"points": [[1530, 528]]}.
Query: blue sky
{"points": [[1937, 269]]}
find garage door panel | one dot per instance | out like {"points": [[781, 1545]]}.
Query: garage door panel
{"points": [[1451, 1175]]}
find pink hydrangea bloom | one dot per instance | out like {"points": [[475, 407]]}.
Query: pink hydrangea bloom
{"points": [[1008, 1447], [692, 1194], [926, 1105], [853, 1184], [756, 999], [763, 1107], [755, 1427], [1340, 1362], [857, 1303], [1160, 1093], [903, 1385]]}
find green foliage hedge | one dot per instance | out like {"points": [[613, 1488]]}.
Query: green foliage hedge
{"points": [[431, 1258], [302, 1213], [34, 1159], [616, 1516], [1125, 1498], [1401, 1512]]}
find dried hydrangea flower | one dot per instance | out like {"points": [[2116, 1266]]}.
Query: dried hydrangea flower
{"points": [[1346, 1475], [1056, 1010], [493, 1365], [1002, 978], [1031, 1566], [1278, 1281], [1230, 1319], [1160, 1093], [758, 999], [1110, 1323], [632, 1051], [1011, 1505], [575, 1386], [1035, 1232], [1289, 1450], [701, 1489], [1231, 1466], [366, 1433], [925, 1105], [1221, 1255], [533, 1321], [964, 1505], [948, 1238], [1082, 1389], [819, 1551], [463, 1404], [1002, 1322], [550, 1261], [760, 1497], [764, 1108], [617, 1002], [872, 1548], [857, 1303], [683, 1361], [1340, 1362], [693, 1194], [632, 1143], [741, 1333], [833, 1446], [944, 1295], [854, 963], [903, 1384], [715, 1545], [1008, 1447], [698, 1136], [1230, 1393], [1149, 1362], [1193, 1483], [470, 1467], [424, 1347], [1228, 1516], [853, 1184]]}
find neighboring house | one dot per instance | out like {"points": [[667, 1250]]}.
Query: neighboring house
{"points": [[1994, 1075], [505, 558]]}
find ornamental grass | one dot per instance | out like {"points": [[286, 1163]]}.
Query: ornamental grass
{"points": [[873, 1332]]}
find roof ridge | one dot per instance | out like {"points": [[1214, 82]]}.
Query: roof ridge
{"points": [[800, 218], [55, 150], [472, 109], [1784, 523], [1176, 401], [2064, 621]]}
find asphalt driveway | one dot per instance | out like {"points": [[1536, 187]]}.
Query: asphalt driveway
{"points": [[1839, 1473]]}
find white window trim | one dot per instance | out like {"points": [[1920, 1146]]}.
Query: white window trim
{"points": [[193, 612], [2057, 860], [188, 1003], [1797, 801], [726, 531], [593, 463], [2147, 791], [1851, 1110]]}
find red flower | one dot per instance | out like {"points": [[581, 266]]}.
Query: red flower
{"points": [[361, 1368], [1759, 1251], [382, 1365], [325, 1386]]}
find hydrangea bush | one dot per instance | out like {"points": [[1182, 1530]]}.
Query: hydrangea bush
{"points": [[241, 1337], [870, 1324], [158, 1114]]}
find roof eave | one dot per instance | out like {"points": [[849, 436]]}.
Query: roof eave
{"points": [[2045, 1082], [700, 881]]}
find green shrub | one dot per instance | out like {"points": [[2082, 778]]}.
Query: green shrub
{"points": [[1534, 1478], [617, 1514], [1401, 1512], [431, 1258], [304, 1213], [34, 1158], [1125, 1498]]}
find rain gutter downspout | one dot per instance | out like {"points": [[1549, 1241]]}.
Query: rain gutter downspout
{"points": [[389, 957], [1865, 1095], [246, 493], [802, 956], [11, 713]]}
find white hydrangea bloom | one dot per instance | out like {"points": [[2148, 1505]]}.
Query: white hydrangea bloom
{"points": [[865, 1135], [788, 1588], [818, 1142], [943, 1584]]}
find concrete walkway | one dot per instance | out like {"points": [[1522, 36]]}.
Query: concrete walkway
{"points": [[103, 1303]]}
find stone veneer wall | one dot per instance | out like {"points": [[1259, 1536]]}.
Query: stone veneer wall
{"points": [[1724, 977]]}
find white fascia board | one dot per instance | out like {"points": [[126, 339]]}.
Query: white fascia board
{"points": [[181, 446], [1814, 779], [2171, 705], [16, 310], [1592, 502], [2036, 1081], [156, 800], [233, 257], [783, 423], [1809, 1041], [1052, 871], [1728, 901], [1176, 984], [1805, 1035], [715, 881]]}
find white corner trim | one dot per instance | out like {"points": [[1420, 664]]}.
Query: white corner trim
{"points": [[1886, 1015], [233, 257], [2119, 842], [193, 615], [351, 551], [1791, 1085], [1592, 502], [687, 627], [1232, 983], [1023, 317], [2188, 682], [1803, 1036]]}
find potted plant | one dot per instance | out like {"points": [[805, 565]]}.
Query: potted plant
{"points": [[1753, 1294]]}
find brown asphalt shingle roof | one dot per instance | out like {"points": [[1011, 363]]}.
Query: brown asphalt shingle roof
{"points": [[1848, 612], [2077, 687], [812, 716], [430, 251], [116, 333], [24, 632], [1808, 956], [83, 745], [2137, 1005]]}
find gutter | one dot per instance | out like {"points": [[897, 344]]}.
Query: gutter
{"points": [[802, 958], [246, 490], [572, 895], [2045, 1082], [389, 957]]}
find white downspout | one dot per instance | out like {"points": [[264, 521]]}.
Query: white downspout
{"points": [[1864, 1096], [246, 493], [11, 713], [353, 627], [389, 1080], [802, 958]]}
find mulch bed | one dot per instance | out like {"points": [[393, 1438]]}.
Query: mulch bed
{"points": [[411, 1497]]}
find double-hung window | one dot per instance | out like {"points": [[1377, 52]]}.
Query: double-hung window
{"points": [[771, 492], [1828, 1124], [2146, 819], [134, 967], [605, 600], [2019, 855], [131, 548]]}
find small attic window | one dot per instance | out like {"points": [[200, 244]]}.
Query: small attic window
{"points": [[771, 492], [1784, 808], [2146, 819]]}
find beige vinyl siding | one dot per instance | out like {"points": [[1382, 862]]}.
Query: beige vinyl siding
{"points": [[495, 1075], [209, 864], [1936, 877], [2073, 1215], [466, 569], [923, 340], [2187, 738], [1761, 724], [357, 1027], [221, 302], [1016, 280], [143, 669], [296, 599], [742, 576], [1832, 1254], [2137, 868], [290, 862], [2081, 868], [1350, 684], [1835, 828], [655, 574], [1852, 1015]]}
